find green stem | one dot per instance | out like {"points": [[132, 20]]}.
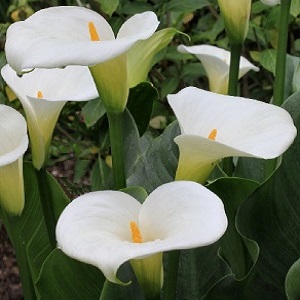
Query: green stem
{"points": [[115, 133], [279, 83], [170, 285], [235, 54], [46, 203], [14, 231]]}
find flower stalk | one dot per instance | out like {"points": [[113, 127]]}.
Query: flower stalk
{"points": [[115, 133], [278, 94]]}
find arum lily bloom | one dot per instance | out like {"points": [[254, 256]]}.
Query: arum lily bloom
{"points": [[236, 16], [216, 62], [13, 144], [270, 2], [215, 126], [108, 228], [43, 93], [62, 36]]}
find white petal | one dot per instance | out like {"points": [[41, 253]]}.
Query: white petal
{"points": [[59, 36], [182, 215], [140, 25], [250, 126], [13, 135], [95, 228]]}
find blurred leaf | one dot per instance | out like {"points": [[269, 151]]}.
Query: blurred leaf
{"points": [[81, 167], [100, 176], [295, 8], [268, 60], [92, 111], [292, 286], [108, 6], [185, 6], [140, 102], [136, 192]]}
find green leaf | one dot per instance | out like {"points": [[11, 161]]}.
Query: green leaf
{"points": [[295, 8], [158, 164], [268, 60], [140, 102], [185, 6], [92, 111], [108, 6], [81, 167], [101, 175], [292, 280], [239, 252], [65, 278], [136, 192]]}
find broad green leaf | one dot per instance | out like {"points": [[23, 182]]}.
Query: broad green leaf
{"points": [[292, 286], [140, 104], [65, 278], [255, 169], [92, 111], [239, 252], [158, 164]]}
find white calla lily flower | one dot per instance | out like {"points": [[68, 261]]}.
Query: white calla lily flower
{"points": [[216, 62], [270, 2], [61, 36], [215, 126], [108, 228], [43, 93], [236, 16], [13, 144]]}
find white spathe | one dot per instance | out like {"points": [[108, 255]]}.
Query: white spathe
{"points": [[59, 36], [216, 62], [13, 144], [56, 87], [244, 127], [95, 227]]}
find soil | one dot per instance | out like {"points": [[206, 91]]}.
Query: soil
{"points": [[10, 285]]}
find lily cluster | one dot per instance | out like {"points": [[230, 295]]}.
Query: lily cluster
{"points": [[178, 215]]}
